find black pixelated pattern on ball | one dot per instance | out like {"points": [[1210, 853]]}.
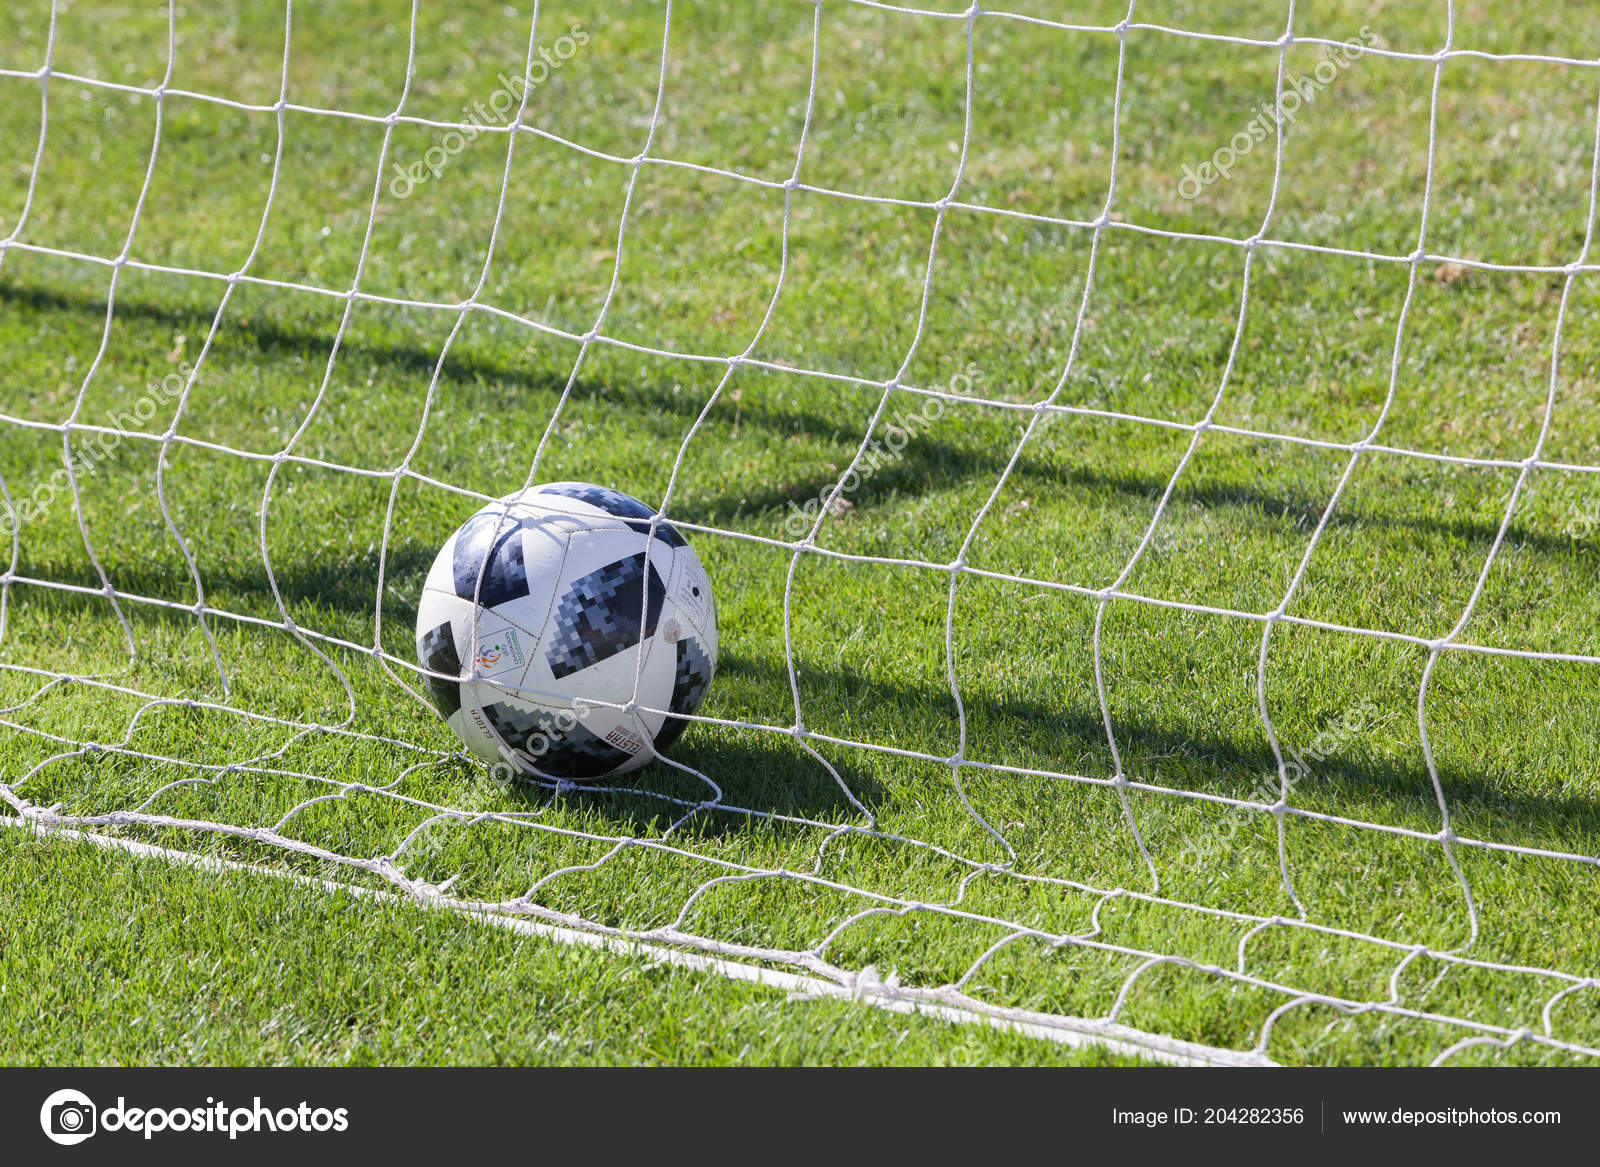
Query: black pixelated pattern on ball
{"points": [[506, 577], [623, 506], [537, 738], [598, 616], [688, 689], [439, 654]]}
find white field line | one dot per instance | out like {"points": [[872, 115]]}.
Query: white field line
{"points": [[1076, 1032]]}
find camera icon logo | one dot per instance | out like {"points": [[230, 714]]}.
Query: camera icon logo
{"points": [[68, 1117]]}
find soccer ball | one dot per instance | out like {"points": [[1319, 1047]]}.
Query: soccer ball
{"points": [[559, 601]]}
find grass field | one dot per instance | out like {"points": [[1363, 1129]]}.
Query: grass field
{"points": [[1318, 338]]}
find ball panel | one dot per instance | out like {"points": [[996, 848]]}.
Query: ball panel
{"points": [[544, 553], [614, 502], [484, 638], [496, 535], [691, 594], [642, 675], [571, 514], [598, 614], [436, 648], [501, 651], [473, 728], [691, 679], [556, 743]]}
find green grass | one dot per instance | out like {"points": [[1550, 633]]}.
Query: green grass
{"points": [[152, 973], [1513, 738]]}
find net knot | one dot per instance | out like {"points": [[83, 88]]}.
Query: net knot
{"points": [[869, 982]]}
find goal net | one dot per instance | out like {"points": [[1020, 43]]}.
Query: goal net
{"points": [[1147, 461]]}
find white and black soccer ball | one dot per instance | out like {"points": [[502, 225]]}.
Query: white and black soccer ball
{"points": [[556, 598]]}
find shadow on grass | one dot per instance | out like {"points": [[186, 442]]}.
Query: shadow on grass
{"points": [[769, 772], [764, 773], [773, 773], [949, 454]]}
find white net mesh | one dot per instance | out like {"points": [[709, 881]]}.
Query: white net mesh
{"points": [[1103, 888]]}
